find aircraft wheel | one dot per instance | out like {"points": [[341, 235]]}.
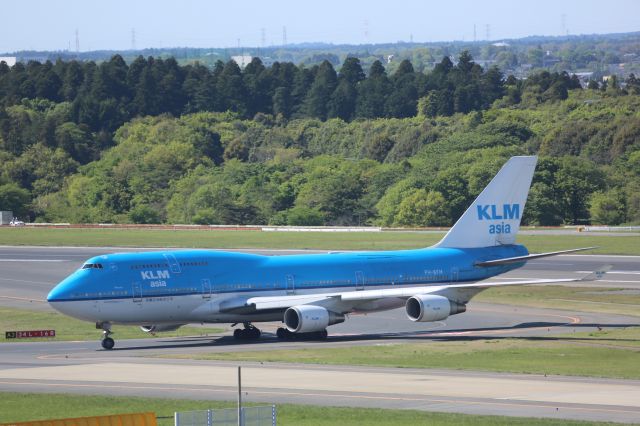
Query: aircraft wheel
{"points": [[323, 334], [283, 333], [238, 334], [108, 343]]}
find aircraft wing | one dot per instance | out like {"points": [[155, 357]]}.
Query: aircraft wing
{"points": [[461, 292]]}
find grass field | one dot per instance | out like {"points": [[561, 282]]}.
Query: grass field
{"points": [[583, 299], [16, 407], [608, 353], [618, 244], [73, 329]]}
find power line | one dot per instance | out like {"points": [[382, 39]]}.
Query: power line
{"points": [[366, 31], [284, 36], [133, 39], [77, 41]]}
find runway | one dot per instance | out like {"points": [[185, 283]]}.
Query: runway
{"points": [[27, 274]]}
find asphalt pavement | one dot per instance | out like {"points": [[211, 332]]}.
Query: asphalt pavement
{"points": [[28, 273]]}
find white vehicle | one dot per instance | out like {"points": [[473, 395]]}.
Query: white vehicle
{"points": [[16, 222]]}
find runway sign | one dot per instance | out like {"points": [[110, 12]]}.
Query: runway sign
{"points": [[135, 419], [29, 334]]}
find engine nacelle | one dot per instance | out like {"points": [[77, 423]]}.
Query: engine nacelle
{"points": [[425, 308], [310, 318], [155, 328]]}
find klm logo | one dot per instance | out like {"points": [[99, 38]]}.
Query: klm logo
{"points": [[493, 212], [155, 275]]}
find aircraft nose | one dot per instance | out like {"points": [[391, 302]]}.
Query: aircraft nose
{"points": [[63, 290], [56, 294]]}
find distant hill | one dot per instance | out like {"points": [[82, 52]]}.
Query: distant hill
{"points": [[602, 54]]}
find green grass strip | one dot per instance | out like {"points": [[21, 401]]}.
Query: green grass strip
{"points": [[582, 299], [607, 244], [15, 407], [612, 354]]}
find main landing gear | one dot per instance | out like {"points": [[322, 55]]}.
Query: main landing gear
{"points": [[107, 342], [284, 334], [249, 332]]}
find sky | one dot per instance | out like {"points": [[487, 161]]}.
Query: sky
{"points": [[123, 24]]}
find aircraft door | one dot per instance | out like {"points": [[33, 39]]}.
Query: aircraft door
{"points": [[455, 274], [359, 280], [137, 293], [291, 285], [206, 288], [174, 266]]}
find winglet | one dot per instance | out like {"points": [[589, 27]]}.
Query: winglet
{"points": [[597, 274]]}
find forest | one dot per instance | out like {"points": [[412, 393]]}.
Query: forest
{"points": [[157, 142]]}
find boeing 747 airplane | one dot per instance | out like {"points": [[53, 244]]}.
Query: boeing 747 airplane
{"points": [[162, 291]]}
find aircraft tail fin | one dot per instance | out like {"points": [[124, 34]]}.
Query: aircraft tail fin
{"points": [[494, 217]]}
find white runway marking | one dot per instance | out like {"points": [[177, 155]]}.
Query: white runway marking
{"points": [[25, 281], [33, 260], [614, 272]]}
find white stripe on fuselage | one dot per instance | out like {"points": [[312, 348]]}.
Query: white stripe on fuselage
{"points": [[196, 308]]}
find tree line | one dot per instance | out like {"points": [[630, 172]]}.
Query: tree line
{"points": [[294, 145], [106, 95]]}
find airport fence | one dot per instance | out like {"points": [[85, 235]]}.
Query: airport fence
{"points": [[250, 416]]}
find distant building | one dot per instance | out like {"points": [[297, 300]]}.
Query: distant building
{"points": [[10, 60], [6, 217], [584, 78], [549, 60], [500, 44], [242, 60]]}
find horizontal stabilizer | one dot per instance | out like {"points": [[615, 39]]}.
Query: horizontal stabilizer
{"points": [[519, 259], [598, 274]]}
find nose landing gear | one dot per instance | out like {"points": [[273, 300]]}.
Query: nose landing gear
{"points": [[107, 342]]}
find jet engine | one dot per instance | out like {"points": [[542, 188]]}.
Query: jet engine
{"points": [[425, 308], [310, 318], [156, 328]]}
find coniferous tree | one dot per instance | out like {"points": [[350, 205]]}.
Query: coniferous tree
{"points": [[72, 80], [372, 93], [258, 83], [343, 100], [402, 101], [231, 88], [301, 84], [317, 99]]}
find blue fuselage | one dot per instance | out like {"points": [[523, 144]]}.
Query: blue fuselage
{"points": [[216, 273]]}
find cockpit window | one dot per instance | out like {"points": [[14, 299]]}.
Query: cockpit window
{"points": [[92, 266]]}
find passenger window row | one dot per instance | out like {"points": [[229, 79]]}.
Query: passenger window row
{"points": [[149, 266]]}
